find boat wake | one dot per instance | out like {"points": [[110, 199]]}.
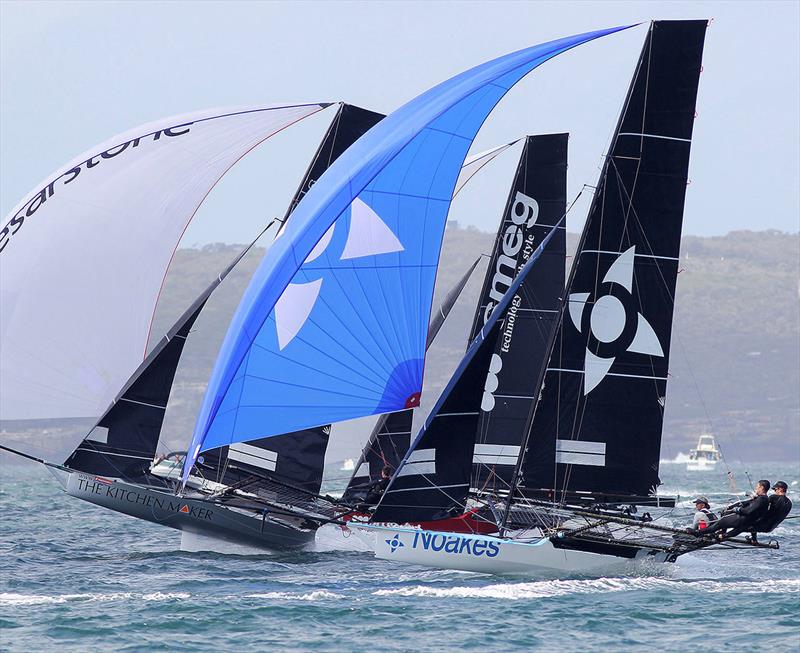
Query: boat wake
{"points": [[555, 588]]}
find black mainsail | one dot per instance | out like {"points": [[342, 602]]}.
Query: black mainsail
{"points": [[597, 426], [473, 438], [124, 442], [535, 205]]}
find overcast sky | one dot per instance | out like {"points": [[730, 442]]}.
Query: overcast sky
{"points": [[74, 74]]}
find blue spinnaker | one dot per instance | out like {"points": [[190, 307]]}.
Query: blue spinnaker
{"points": [[333, 324]]}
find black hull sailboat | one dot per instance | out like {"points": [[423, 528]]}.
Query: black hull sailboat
{"points": [[263, 493]]}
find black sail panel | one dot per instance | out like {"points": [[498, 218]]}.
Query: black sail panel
{"points": [[433, 482], [387, 444], [295, 459], [124, 442], [350, 124], [536, 203], [597, 427]]}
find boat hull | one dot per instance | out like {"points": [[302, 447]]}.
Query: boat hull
{"points": [[492, 555], [188, 514]]}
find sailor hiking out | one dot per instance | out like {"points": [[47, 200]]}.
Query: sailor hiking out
{"points": [[743, 515], [779, 508]]}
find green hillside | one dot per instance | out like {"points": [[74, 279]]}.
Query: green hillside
{"points": [[735, 364]]}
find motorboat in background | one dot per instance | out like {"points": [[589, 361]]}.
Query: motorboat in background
{"points": [[705, 455]]}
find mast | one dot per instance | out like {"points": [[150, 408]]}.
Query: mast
{"points": [[596, 427]]}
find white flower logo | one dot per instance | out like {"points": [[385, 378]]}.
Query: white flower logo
{"points": [[608, 319]]}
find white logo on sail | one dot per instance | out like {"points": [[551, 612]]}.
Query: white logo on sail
{"points": [[368, 236], [607, 322], [495, 365]]}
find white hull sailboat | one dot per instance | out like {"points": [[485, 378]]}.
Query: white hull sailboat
{"points": [[528, 552]]}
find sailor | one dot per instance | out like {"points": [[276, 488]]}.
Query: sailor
{"points": [[779, 508], [703, 515], [742, 515], [377, 487]]}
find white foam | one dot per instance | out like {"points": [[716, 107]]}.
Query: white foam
{"points": [[165, 596], [334, 538], [9, 598], [40, 599], [316, 595], [552, 588]]}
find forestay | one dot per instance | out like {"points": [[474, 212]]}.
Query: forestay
{"points": [[333, 325], [83, 257]]}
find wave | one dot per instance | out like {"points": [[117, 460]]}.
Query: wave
{"points": [[553, 588], [14, 599], [316, 595]]}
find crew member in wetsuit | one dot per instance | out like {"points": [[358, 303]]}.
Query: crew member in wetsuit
{"points": [[377, 487], [740, 517], [779, 508], [703, 517]]}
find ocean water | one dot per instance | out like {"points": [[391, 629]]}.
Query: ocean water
{"points": [[76, 577]]}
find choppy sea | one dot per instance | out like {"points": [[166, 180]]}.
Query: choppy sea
{"points": [[75, 577]]}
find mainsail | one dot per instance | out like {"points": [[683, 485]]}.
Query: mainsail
{"points": [[537, 203], [106, 223], [597, 427], [124, 442], [333, 325]]}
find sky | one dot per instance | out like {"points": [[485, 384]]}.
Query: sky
{"points": [[73, 74]]}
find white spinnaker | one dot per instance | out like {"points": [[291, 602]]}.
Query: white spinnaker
{"points": [[475, 162], [83, 257]]}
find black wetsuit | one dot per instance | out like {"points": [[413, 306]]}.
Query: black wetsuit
{"points": [[749, 513], [375, 490], [779, 508]]}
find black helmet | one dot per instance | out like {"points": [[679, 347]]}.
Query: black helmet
{"points": [[780, 485]]}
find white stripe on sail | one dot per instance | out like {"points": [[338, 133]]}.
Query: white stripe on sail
{"points": [[495, 454], [420, 461], [581, 452], [255, 456]]}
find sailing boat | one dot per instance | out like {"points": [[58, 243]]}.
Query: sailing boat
{"points": [[315, 339], [594, 424]]}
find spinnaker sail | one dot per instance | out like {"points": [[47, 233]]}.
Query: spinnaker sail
{"points": [[107, 222], [125, 440], [333, 325]]}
